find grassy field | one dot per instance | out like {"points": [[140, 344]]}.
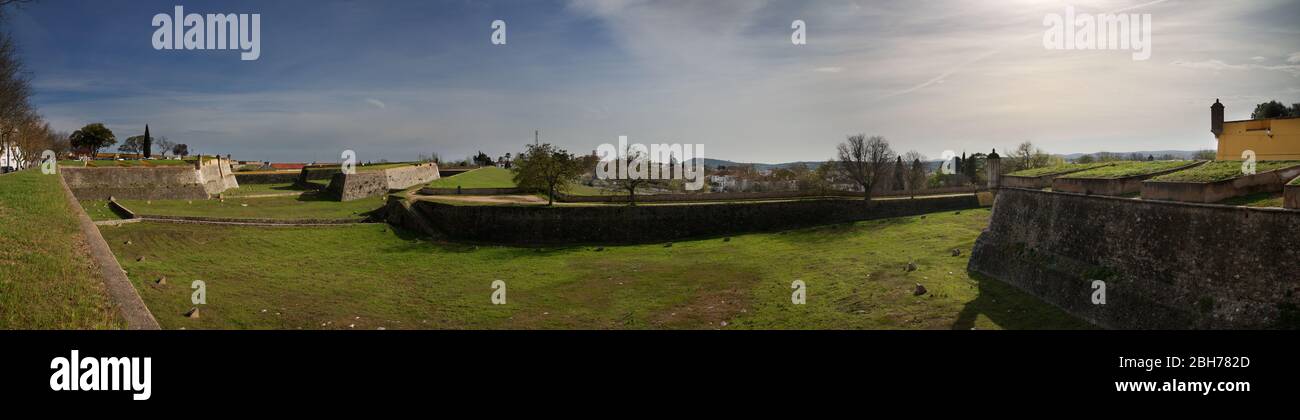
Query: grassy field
{"points": [[1295, 181], [307, 206], [47, 280], [1221, 170], [486, 177], [259, 189], [1129, 168], [98, 210], [371, 276], [1049, 170], [1256, 200], [579, 189]]}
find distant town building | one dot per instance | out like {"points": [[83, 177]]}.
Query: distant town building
{"points": [[10, 158]]}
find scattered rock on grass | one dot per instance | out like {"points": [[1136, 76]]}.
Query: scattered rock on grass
{"points": [[919, 290], [192, 313], [910, 267], [162, 281], [956, 252], [141, 259]]}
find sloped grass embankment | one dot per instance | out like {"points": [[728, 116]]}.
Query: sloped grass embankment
{"points": [[47, 279]]}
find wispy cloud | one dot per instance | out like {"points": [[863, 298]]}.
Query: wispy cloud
{"points": [[1220, 65], [930, 76]]}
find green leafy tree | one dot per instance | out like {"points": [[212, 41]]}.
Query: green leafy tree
{"points": [[133, 144], [547, 168], [181, 149], [93, 137], [1270, 109]]}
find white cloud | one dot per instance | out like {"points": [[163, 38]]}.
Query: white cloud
{"points": [[1220, 65], [832, 69], [377, 103], [1294, 58]]}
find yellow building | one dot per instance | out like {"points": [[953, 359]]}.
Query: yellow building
{"points": [[1270, 139]]}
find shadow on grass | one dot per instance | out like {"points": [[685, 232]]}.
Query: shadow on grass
{"points": [[317, 196], [1013, 309], [837, 231]]}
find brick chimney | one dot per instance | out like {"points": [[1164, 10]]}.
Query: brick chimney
{"points": [[1216, 118]]}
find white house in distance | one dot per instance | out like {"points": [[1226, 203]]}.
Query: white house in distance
{"points": [[9, 158]]}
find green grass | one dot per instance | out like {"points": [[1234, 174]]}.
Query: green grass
{"points": [[1129, 168], [485, 177], [1295, 181], [1273, 199], [307, 206], [98, 210], [47, 280], [1221, 170], [1057, 169], [371, 276], [259, 189], [579, 189]]}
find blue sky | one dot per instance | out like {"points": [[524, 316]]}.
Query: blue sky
{"points": [[394, 79]]}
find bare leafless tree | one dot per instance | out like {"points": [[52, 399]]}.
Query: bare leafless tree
{"points": [[915, 162], [14, 91], [32, 139], [4, 3], [865, 160], [632, 157]]}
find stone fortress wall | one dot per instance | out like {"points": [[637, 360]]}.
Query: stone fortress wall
{"points": [[197, 182], [364, 184], [1165, 265], [647, 223]]}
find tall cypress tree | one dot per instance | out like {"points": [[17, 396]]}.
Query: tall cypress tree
{"points": [[898, 174], [148, 142]]}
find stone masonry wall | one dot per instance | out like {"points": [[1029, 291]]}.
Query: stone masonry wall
{"points": [[653, 223], [157, 183], [372, 183], [1166, 265], [151, 183]]}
